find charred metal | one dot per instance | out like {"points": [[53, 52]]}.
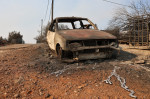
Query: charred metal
{"points": [[92, 49], [79, 39], [92, 44]]}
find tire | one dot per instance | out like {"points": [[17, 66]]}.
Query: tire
{"points": [[60, 52]]}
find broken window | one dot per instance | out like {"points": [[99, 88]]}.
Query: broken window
{"points": [[67, 24], [87, 25], [77, 25]]}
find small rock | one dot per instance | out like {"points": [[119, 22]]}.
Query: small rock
{"points": [[51, 56], [126, 62], [5, 94], [75, 91], [140, 62], [93, 68], [23, 93], [6, 87], [47, 95], [20, 80], [16, 95], [35, 82], [82, 86], [79, 87], [6, 73], [41, 92], [137, 76], [29, 92]]}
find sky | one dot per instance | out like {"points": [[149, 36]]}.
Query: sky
{"points": [[25, 16]]}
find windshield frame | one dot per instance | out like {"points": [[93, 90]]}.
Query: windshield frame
{"points": [[72, 20]]}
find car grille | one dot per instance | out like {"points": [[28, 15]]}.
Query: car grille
{"points": [[93, 42]]}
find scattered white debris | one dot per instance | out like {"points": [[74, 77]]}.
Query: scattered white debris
{"points": [[122, 82], [59, 72]]}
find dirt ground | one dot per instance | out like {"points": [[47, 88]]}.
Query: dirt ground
{"points": [[31, 72]]}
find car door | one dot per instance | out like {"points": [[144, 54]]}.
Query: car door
{"points": [[50, 37]]}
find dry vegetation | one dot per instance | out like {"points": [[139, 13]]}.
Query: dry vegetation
{"points": [[138, 8]]}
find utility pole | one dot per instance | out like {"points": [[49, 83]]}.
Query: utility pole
{"points": [[41, 27], [52, 10]]}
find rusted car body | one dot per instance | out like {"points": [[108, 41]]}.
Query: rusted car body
{"points": [[79, 39]]}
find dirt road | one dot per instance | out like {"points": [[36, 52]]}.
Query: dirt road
{"points": [[31, 72]]}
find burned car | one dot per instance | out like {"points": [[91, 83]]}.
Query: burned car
{"points": [[79, 39]]}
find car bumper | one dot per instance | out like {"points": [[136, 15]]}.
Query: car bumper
{"points": [[107, 52]]}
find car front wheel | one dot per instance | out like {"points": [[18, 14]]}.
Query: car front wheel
{"points": [[60, 52]]}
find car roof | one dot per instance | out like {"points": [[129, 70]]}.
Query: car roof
{"points": [[65, 19]]}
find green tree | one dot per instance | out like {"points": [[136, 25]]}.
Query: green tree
{"points": [[15, 37]]}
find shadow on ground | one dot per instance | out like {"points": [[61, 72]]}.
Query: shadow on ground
{"points": [[51, 65], [126, 56]]}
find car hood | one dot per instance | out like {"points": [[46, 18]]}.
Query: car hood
{"points": [[85, 34]]}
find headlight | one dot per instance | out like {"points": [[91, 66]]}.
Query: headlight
{"points": [[114, 44]]}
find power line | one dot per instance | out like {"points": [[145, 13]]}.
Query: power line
{"points": [[46, 11], [120, 4], [117, 3], [50, 14]]}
